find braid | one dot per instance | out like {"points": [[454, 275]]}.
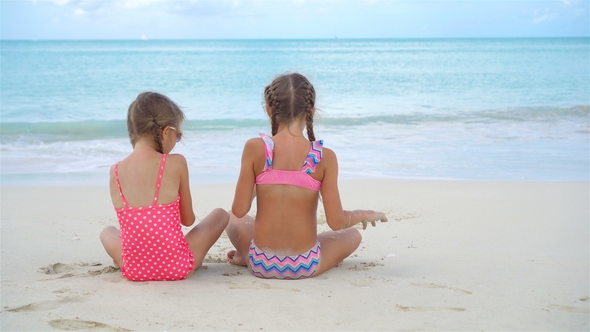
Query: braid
{"points": [[267, 96], [157, 136], [274, 124], [309, 103], [273, 103], [309, 125]]}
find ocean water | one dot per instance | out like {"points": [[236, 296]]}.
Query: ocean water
{"points": [[470, 109]]}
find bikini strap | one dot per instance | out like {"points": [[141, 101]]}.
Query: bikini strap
{"points": [[119, 185], [160, 173], [313, 157], [268, 151]]}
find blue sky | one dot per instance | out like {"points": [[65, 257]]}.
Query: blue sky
{"points": [[199, 19]]}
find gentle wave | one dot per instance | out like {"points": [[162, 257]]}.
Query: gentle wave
{"points": [[87, 130], [97, 129], [515, 114]]}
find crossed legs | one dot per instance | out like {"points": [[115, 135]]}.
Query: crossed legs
{"points": [[200, 239], [336, 245]]}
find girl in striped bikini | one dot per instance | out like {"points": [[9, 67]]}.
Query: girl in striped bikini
{"points": [[287, 172]]}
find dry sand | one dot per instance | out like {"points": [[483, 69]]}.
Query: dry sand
{"points": [[454, 256]]}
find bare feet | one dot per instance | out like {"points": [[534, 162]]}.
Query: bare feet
{"points": [[233, 257]]}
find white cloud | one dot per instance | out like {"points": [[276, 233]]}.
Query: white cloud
{"points": [[186, 8], [138, 3], [300, 18], [548, 17], [60, 2], [570, 2]]}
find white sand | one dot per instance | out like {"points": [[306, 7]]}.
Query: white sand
{"points": [[454, 256]]}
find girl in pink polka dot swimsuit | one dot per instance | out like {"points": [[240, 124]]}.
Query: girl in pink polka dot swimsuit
{"points": [[151, 195]]}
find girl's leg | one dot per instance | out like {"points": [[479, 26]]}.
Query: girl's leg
{"points": [[203, 236], [240, 232], [111, 241], [336, 246]]}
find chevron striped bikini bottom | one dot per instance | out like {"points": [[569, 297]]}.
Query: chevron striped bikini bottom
{"points": [[284, 267]]}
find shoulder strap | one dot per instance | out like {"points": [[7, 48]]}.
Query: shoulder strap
{"points": [[160, 173], [313, 157], [119, 185], [268, 151]]}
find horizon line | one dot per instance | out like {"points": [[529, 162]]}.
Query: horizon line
{"points": [[287, 39]]}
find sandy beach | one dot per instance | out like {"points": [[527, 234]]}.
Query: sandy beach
{"points": [[455, 255]]}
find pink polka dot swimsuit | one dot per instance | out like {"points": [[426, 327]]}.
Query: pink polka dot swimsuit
{"points": [[153, 244]]}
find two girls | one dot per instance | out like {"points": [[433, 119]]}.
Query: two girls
{"points": [[287, 172]]}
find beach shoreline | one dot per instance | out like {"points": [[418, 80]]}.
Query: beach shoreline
{"points": [[455, 255]]}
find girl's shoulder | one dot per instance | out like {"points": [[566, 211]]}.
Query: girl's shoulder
{"points": [[175, 157], [254, 145], [254, 154], [329, 160], [114, 167], [328, 153], [255, 141], [176, 160]]}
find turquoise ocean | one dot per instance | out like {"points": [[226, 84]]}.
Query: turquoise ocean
{"points": [[468, 109]]}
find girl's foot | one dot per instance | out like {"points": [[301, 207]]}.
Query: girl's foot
{"points": [[233, 257]]}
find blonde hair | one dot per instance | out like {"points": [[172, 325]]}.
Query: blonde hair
{"points": [[149, 113]]}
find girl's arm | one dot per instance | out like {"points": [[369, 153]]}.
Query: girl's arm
{"points": [[336, 217], [245, 188], [187, 215]]}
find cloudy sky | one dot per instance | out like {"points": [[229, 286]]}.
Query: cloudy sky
{"points": [[202, 19]]}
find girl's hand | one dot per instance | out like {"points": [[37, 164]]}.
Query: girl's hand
{"points": [[372, 217]]}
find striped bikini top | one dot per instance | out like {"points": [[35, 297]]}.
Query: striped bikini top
{"points": [[300, 178]]}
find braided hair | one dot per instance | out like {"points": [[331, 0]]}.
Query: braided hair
{"points": [[290, 97], [148, 114]]}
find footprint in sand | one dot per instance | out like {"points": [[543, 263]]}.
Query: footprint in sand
{"points": [[56, 268], [566, 308], [43, 305], [108, 269], [72, 270], [426, 309], [431, 285], [84, 325], [63, 290]]}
